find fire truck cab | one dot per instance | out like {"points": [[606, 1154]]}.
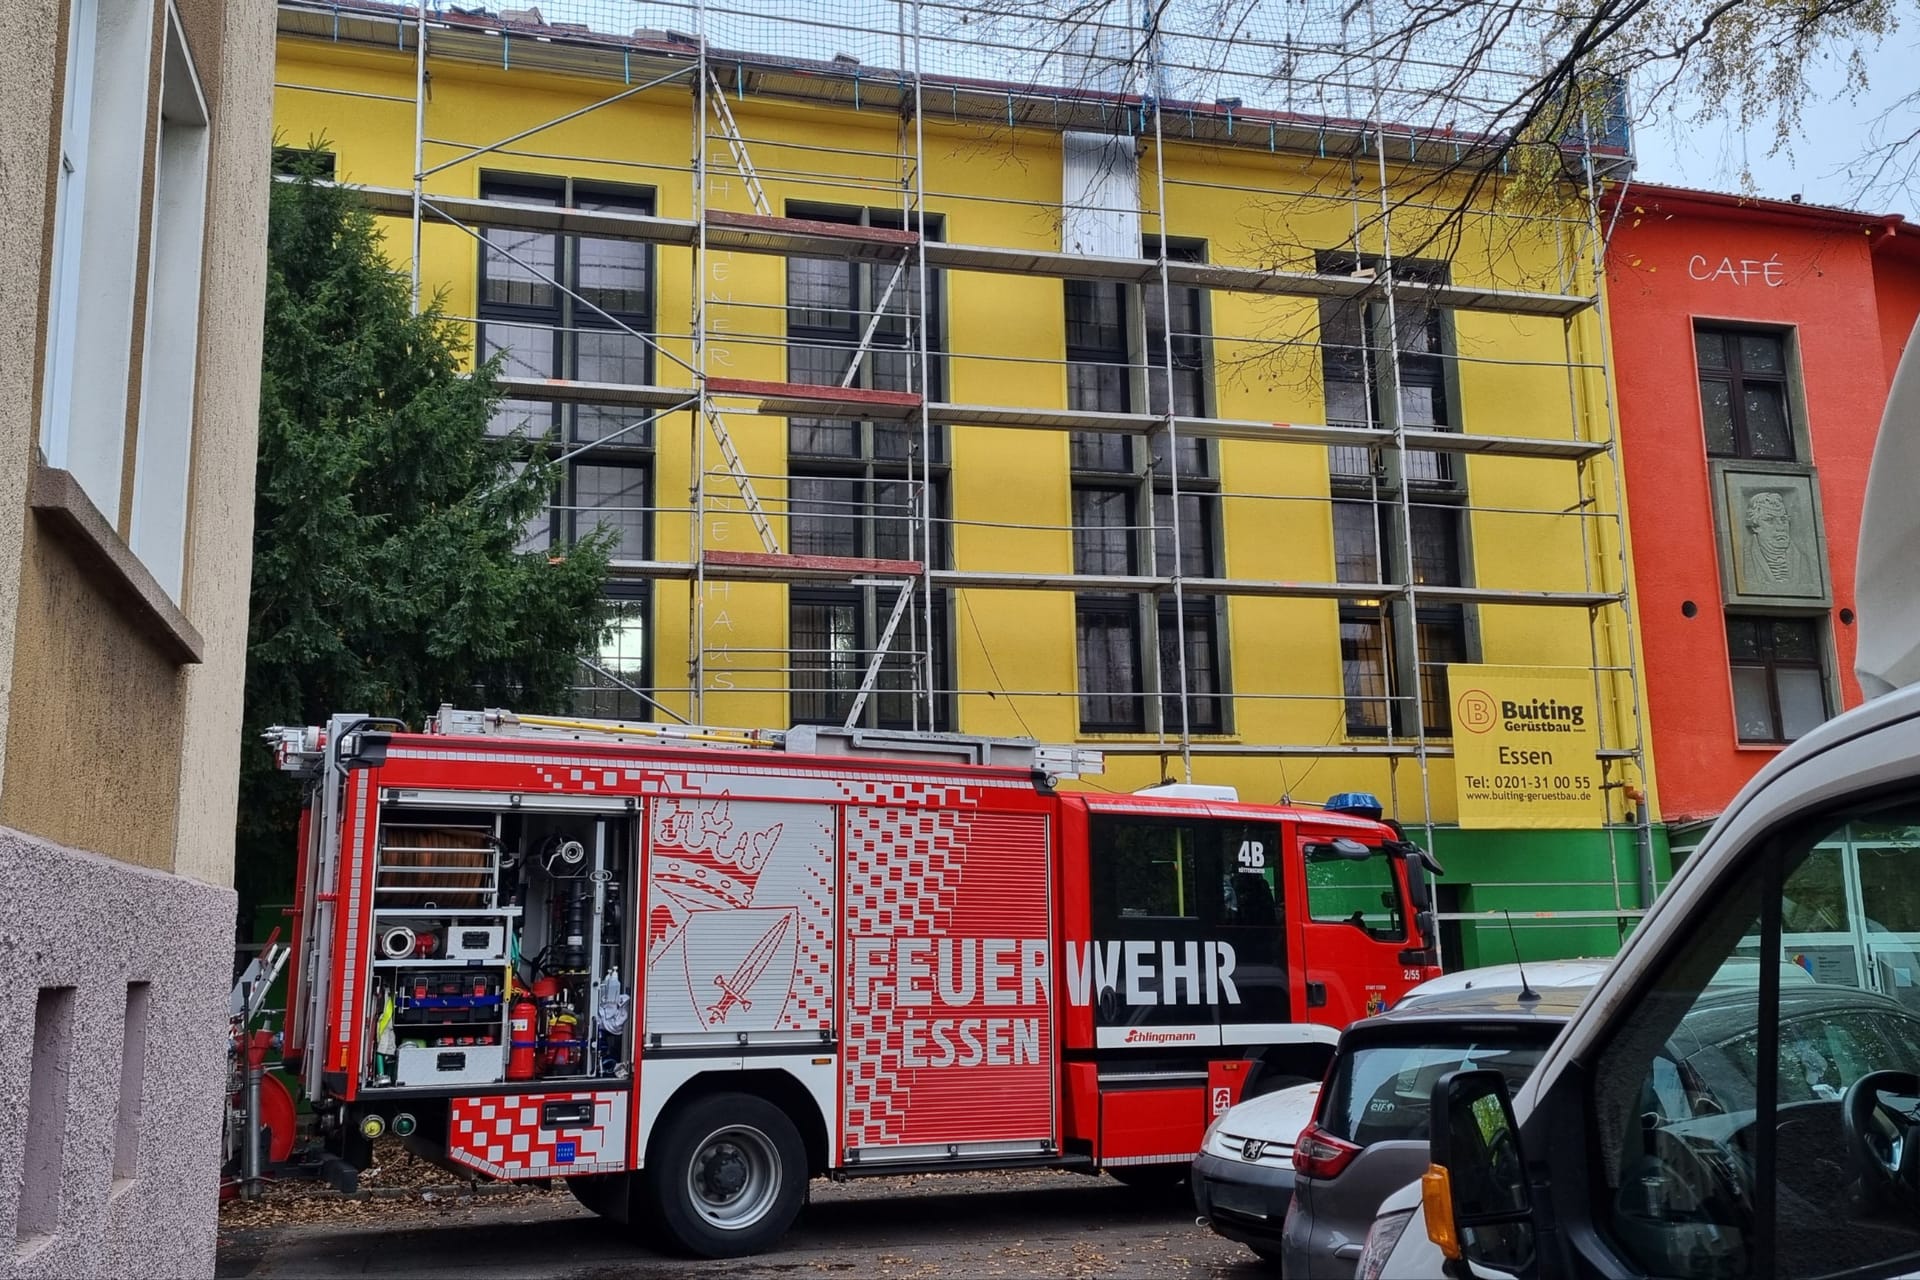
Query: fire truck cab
{"points": [[688, 970]]}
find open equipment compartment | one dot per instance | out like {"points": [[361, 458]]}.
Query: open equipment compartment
{"points": [[501, 948]]}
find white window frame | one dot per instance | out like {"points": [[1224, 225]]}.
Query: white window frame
{"points": [[70, 198], [96, 252], [163, 447]]}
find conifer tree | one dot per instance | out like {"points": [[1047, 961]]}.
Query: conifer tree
{"points": [[387, 574]]}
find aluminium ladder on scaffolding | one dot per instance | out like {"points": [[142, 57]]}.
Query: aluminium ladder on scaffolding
{"points": [[736, 144], [916, 654]]}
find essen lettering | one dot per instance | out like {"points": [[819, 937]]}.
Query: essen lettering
{"points": [[970, 1042], [1515, 755]]}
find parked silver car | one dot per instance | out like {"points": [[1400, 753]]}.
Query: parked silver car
{"points": [[1369, 1133]]}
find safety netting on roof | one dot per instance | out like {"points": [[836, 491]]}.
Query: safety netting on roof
{"points": [[1465, 68]]}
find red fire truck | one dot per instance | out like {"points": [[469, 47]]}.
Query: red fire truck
{"points": [[688, 969]]}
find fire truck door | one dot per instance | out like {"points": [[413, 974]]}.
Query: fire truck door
{"points": [[1356, 927], [949, 1046], [1189, 946]]}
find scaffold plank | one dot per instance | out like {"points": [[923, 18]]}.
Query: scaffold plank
{"points": [[810, 400], [744, 566], [1228, 278], [805, 400], [620, 394], [803, 568], [806, 238]]}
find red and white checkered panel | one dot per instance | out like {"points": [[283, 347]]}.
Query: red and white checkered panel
{"points": [[738, 911], [502, 1135], [943, 871]]}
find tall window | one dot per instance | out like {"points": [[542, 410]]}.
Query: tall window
{"points": [[163, 447], [616, 680], [855, 487], [560, 306], [1385, 653], [1779, 676], [1125, 516], [118, 300], [1743, 393]]}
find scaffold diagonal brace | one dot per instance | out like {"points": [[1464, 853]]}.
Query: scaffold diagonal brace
{"points": [[872, 678], [873, 324], [738, 469]]}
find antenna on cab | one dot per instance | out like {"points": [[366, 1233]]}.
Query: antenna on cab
{"points": [[1526, 988]]}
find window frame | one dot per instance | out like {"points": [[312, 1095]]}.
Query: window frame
{"points": [[316, 162], [1387, 714], [170, 346], [1107, 461], [871, 608], [101, 159], [1432, 367], [1735, 377], [868, 465], [1770, 666], [638, 595], [1109, 710], [567, 319], [1433, 484]]}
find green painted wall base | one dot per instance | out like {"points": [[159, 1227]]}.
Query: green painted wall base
{"points": [[1530, 872]]}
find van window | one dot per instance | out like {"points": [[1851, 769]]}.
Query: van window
{"points": [[1751, 1125]]}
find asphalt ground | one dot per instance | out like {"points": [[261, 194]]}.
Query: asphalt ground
{"points": [[993, 1224]]}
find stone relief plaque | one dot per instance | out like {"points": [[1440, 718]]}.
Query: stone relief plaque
{"points": [[1770, 526]]}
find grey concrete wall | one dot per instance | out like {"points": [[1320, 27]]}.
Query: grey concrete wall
{"points": [[76, 920]]}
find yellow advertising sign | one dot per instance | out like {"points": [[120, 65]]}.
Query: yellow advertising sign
{"points": [[1526, 747]]}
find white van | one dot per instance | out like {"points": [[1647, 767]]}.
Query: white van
{"points": [[1785, 1138]]}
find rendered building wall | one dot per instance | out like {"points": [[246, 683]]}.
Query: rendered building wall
{"points": [[119, 701]]}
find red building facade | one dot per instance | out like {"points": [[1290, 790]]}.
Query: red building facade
{"points": [[1754, 342]]}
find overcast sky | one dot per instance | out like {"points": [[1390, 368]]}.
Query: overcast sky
{"points": [[1825, 166]]}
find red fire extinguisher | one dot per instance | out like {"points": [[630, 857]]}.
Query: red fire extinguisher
{"points": [[524, 1020]]}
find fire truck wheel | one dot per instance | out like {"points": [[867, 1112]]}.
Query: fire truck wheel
{"points": [[604, 1195], [1150, 1177], [727, 1175]]}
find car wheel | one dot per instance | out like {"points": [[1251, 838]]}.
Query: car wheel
{"points": [[727, 1175], [1150, 1177]]}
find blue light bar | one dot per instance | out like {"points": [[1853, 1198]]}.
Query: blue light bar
{"points": [[1360, 804]]}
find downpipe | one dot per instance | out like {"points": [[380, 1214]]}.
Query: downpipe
{"points": [[1643, 844]]}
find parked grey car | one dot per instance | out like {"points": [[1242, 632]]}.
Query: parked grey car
{"points": [[1369, 1133]]}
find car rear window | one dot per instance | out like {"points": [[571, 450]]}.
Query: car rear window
{"points": [[1380, 1091]]}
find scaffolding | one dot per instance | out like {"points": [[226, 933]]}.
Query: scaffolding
{"points": [[1404, 118]]}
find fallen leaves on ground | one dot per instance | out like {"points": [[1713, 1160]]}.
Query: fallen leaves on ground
{"points": [[397, 1183]]}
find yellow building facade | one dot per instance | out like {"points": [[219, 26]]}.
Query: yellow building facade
{"points": [[1080, 545]]}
